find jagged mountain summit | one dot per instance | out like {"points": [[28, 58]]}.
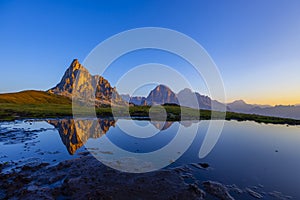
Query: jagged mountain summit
{"points": [[161, 94], [87, 85]]}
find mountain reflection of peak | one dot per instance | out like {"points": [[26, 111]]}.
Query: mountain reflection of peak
{"points": [[188, 123], [75, 136], [161, 125]]}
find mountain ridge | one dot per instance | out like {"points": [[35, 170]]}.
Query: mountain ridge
{"points": [[87, 86], [162, 94], [105, 94], [285, 111]]}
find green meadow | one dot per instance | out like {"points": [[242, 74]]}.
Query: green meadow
{"points": [[38, 104]]}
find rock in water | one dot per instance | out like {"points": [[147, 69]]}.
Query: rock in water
{"points": [[217, 189], [254, 194]]}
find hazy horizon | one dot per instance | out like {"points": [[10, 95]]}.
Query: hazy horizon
{"points": [[254, 44]]}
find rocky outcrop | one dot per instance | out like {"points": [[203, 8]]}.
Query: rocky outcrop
{"points": [[77, 81], [217, 189]]}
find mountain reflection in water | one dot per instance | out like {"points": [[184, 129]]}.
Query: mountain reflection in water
{"points": [[248, 156], [161, 125], [74, 137]]}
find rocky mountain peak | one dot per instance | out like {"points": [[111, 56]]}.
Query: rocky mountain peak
{"points": [[86, 85], [161, 94], [75, 65], [65, 86]]}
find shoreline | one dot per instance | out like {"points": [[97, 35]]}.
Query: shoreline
{"points": [[87, 178], [173, 113], [11, 112]]}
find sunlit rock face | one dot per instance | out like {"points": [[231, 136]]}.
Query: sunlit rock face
{"points": [[75, 136], [65, 86], [78, 82]]}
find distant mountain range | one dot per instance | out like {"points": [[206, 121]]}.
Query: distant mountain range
{"points": [[290, 111], [162, 94], [106, 95]]}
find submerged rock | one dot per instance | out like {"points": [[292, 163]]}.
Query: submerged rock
{"points": [[279, 195], [200, 165], [217, 189], [253, 193], [234, 188]]}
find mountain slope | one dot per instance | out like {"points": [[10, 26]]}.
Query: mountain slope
{"points": [[33, 97]]}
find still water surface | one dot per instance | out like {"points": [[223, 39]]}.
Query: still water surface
{"points": [[247, 154]]}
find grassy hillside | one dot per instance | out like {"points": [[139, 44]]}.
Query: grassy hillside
{"points": [[33, 97], [34, 104]]}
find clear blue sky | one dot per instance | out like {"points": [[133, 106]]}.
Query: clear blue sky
{"points": [[255, 44]]}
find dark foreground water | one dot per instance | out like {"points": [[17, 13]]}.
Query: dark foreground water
{"points": [[259, 157]]}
